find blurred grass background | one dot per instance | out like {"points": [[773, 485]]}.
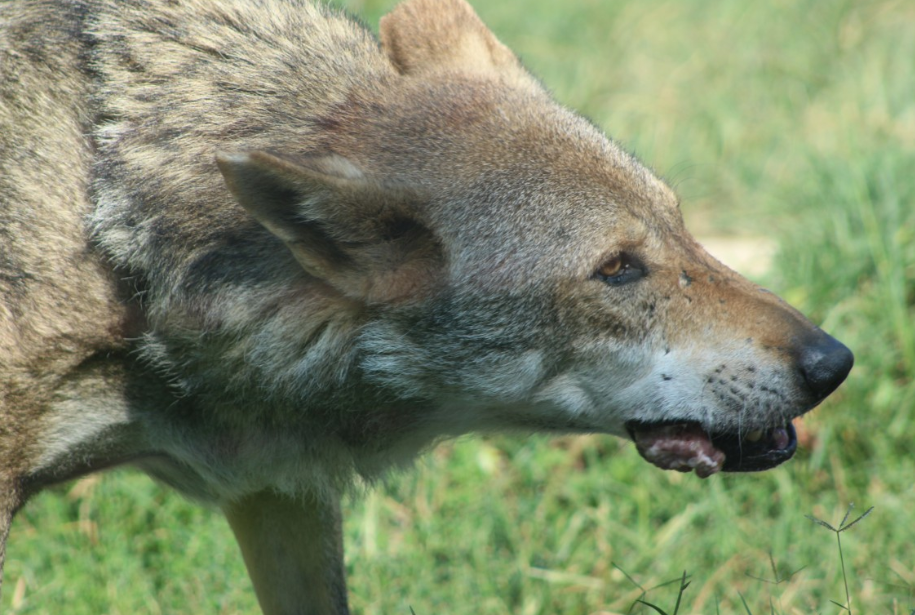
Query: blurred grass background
{"points": [[792, 120]]}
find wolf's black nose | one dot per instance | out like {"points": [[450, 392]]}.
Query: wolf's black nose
{"points": [[825, 362]]}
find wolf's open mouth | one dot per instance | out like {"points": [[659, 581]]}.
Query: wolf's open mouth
{"points": [[686, 446]]}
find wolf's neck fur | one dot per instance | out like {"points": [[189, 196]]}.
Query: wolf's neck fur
{"points": [[220, 293]]}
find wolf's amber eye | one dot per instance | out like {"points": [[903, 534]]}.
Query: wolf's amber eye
{"points": [[620, 269], [611, 268]]}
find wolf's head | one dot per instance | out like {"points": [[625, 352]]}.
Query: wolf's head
{"points": [[519, 270]]}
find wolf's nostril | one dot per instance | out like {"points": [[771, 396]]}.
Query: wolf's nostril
{"points": [[824, 364]]}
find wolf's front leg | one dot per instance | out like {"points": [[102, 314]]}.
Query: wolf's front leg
{"points": [[9, 500], [293, 548]]}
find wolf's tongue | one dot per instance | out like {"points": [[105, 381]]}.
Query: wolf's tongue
{"points": [[683, 447], [780, 439]]}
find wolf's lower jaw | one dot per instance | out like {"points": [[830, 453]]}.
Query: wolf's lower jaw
{"points": [[686, 446]]}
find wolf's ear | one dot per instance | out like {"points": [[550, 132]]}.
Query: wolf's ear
{"points": [[354, 234], [428, 35]]}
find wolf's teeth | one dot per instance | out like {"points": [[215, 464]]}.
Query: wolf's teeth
{"points": [[755, 435]]}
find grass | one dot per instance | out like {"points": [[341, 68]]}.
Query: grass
{"points": [[844, 526], [790, 119]]}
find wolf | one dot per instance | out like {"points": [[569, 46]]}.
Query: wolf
{"points": [[256, 252]]}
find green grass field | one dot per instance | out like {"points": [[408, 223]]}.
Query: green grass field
{"points": [[792, 120]]}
